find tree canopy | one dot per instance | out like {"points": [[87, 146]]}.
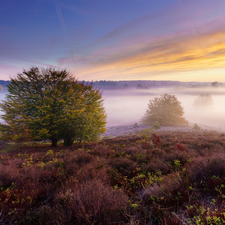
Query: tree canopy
{"points": [[51, 104], [203, 101], [167, 110]]}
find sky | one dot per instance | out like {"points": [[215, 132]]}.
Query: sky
{"points": [[181, 40]]}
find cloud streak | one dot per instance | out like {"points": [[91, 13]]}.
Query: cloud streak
{"points": [[180, 52], [114, 39], [60, 16]]}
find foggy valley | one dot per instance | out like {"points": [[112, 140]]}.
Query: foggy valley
{"points": [[127, 107]]}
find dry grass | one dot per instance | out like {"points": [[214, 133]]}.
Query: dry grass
{"points": [[169, 178], [94, 202]]}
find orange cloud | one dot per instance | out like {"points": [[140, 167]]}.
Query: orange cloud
{"points": [[177, 53]]}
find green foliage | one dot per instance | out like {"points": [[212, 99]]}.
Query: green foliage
{"points": [[167, 110], [51, 104], [196, 127], [50, 152], [156, 125], [90, 124]]}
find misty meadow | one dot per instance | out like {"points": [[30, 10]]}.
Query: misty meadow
{"points": [[153, 175], [128, 106], [112, 112]]}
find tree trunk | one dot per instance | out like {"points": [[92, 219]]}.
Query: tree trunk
{"points": [[68, 142], [54, 142]]}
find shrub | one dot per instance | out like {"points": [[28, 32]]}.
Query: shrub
{"points": [[122, 163], [169, 183], [167, 110], [94, 170], [204, 167], [96, 203], [196, 127], [157, 166], [46, 215], [156, 125]]}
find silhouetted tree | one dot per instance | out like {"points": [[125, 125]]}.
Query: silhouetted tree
{"points": [[203, 101], [215, 84], [125, 86], [167, 110], [140, 86]]}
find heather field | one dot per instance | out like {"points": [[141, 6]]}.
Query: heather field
{"points": [[164, 177]]}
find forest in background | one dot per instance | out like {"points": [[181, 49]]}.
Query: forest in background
{"points": [[138, 84]]}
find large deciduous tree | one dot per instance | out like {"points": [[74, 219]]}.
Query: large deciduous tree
{"points": [[167, 110], [51, 104]]}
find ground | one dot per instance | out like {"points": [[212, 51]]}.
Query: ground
{"points": [[115, 131], [167, 176]]}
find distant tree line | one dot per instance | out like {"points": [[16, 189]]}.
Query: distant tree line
{"points": [[216, 84], [139, 84]]}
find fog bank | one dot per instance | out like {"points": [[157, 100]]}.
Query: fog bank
{"points": [[125, 107], [128, 106]]}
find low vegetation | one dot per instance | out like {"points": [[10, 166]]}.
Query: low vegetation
{"points": [[156, 125], [151, 178]]}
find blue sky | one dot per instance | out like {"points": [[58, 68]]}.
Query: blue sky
{"points": [[115, 39]]}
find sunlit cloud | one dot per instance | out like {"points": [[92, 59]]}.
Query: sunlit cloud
{"points": [[7, 71], [116, 39], [176, 53]]}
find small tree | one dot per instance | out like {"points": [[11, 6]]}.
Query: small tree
{"points": [[215, 84], [203, 101], [51, 104], [167, 110]]}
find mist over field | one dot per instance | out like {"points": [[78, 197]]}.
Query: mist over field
{"points": [[126, 107]]}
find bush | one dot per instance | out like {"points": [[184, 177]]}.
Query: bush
{"points": [[196, 127], [167, 110], [95, 203], [46, 215], [156, 125]]}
